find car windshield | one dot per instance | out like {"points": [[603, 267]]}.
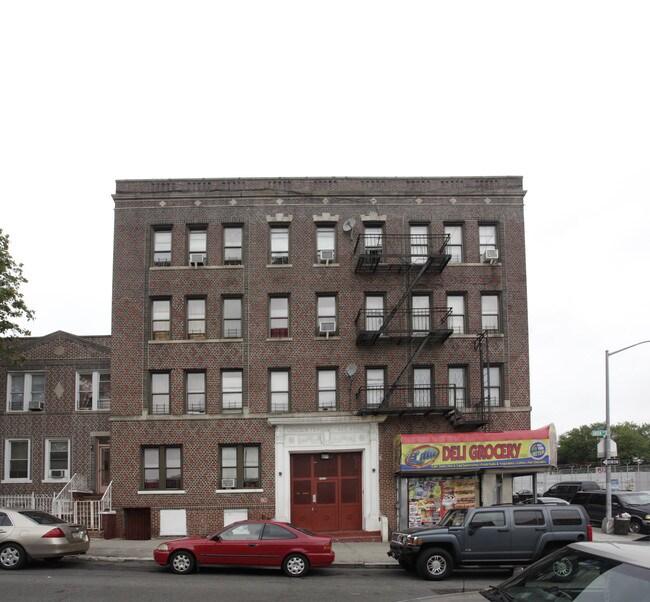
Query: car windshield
{"points": [[455, 518], [635, 499], [42, 518], [575, 575]]}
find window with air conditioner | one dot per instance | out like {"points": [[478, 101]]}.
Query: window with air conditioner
{"points": [[325, 243], [198, 245], [240, 466], [57, 458], [326, 314], [487, 235], [25, 391]]}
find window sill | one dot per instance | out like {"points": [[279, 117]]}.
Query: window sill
{"points": [[16, 481], [61, 481], [279, 265], [327, 265], [239, 490], [333, 337], [163, 268], [270, 340], [162, 492], [194, 341]]}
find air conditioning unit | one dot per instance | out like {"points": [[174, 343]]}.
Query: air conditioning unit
{"points": [[197, 259], [490, 256], [326, 255], [36, 406], [57, 473], [327, 326], [228, 483]]}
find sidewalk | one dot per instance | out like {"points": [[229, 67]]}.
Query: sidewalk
{"points": [[360, 554]]}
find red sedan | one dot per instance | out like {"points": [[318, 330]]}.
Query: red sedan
{"points": [[259, 543]]}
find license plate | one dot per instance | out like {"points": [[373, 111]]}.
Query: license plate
{"points": [[77, 534]]}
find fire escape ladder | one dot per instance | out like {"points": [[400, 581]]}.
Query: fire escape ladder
{"points": [[386, 401]]}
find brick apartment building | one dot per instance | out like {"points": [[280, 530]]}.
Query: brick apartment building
{"points": [[278, 342], [54, 424]]}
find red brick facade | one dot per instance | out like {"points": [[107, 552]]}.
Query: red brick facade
{"points": [[301, 205]]}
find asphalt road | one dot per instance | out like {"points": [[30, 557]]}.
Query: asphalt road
{"points": [[144, 581]]}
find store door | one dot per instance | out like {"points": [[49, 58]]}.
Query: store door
{"points": [[326, 491]]}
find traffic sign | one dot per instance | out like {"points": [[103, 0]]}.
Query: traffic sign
{"points": [[611, 462], [599, 433]]}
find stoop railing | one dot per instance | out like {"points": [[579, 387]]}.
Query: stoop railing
{"points": [[37, 501]]}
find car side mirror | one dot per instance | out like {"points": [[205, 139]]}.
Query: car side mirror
{"points": [[216, 538]]}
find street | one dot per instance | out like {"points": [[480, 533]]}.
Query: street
{"points": [[142, 581]]}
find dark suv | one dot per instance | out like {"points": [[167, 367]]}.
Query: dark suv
{"points": [[636, 504], [567, 489]]}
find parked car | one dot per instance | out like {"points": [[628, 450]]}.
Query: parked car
{"points": [[35, 535], [491, 536], [567, 489], [635, 503], [261, 543], [595, 571], [558, 501]]}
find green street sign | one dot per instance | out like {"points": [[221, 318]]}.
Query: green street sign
{"points": [[599, 433]]}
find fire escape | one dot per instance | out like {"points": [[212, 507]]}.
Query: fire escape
{"points": [[417, 257]]}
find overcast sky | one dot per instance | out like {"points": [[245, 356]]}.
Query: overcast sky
{"points": [[556, 92]]}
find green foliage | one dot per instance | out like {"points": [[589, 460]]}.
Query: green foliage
{"points": [[579, 446], [12, 305]]}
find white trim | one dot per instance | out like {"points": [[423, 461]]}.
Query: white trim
{"points": [[8, 443], [239, 490], [162, 492], [328, 434], [16, 481]]}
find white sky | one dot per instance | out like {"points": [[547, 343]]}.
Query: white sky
{"points": [[555, 91]]}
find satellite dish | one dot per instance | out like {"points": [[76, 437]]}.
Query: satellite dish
{"points": [[351, 370], [348, 224]]}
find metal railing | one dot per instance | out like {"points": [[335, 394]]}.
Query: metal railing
{"points": [[371, 324], [36, 501]]}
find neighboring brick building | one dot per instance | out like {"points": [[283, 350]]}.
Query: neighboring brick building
{"points": [[54, 422], [273, 337]]}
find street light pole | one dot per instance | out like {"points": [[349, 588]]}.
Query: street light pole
{"points": [[608, 436]]}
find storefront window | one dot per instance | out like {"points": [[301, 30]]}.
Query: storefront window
{"points": [[431, 497]]}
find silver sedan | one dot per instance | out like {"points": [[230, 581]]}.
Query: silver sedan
{"points": [[35, 535]]}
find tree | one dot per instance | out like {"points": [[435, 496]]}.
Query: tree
{"points": [[12, 305], [579, 446]]}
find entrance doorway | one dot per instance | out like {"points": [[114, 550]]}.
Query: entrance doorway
{"points": [[103, 468], [326, 491]]}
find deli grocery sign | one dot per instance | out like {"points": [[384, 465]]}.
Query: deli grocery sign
{"points": [[432, 452]]}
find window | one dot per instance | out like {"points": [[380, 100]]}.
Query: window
{"points": [[279, 390], [279, 317], [280, 245], [195, 391], [240, 466], [326, 389], [196, 318], [456, 320], [489, 518], [162, 467], [420, 313], [422, 380], [457, 386], [419, 244], [232, 245], [198, 246], [160, 321], [25, 391], [374, 312], [232, 312], [375, 378], [490, 313], [529, 518], [455, 243], [18, 455], [93, 391], [492, 385], [272, 531], [325, 244], [231, 385], [487, 236], [162, 247], [57, 459], [160, 393], [373, 240], [326, 314]]}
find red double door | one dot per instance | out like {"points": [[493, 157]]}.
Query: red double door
{"points": [[326, 491]]}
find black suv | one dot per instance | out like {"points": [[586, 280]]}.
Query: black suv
{"points": [[636, 504], [567, 489]]}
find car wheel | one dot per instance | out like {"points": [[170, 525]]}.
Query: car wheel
{"points": [[182, 562], [12, 556], [564, 569], [635, 527], [434, 564], [407, 566], [295, 565]]}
